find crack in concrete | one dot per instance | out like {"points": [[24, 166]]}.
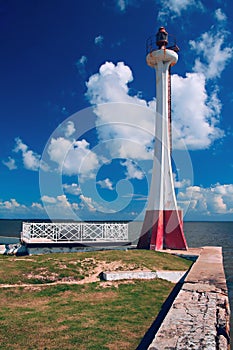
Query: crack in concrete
{"points": [[199, 316]]}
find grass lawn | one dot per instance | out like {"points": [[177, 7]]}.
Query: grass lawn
{"points": [[57, 301]]}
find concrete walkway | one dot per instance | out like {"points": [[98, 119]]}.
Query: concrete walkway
{"points": [[199, 316]]}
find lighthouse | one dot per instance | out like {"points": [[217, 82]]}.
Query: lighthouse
{"points": [[163, 223]]}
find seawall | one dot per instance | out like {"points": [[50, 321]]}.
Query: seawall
{"points": [[199, 317]]}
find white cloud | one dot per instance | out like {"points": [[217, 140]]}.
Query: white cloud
{"points": [[110, 75], [132, 171], [81, 65], [73, 189], [48, 199], [59, 202], [182, 183], [218, 199], [31, 160], [11, 204], [209, 203], [213, 55], [62, 199], [88, 202], [175, 8], [37, 206], [129, 122], [197, 111], [58, 149], [220, 15], [10, 164], [62, 206], [122, 5], [82, 60], [106, 183], [195, 120], [12, 207], [195, 114], [69, 129], [73, 157], [99, 40], [225, 190], [20, 146]]}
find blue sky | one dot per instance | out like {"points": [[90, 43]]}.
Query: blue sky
{"points": [[78, 100]]}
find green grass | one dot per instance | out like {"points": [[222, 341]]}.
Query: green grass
{"points": [[99, 315]]}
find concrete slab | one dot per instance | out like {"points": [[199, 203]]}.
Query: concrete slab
{"points": [[199, 317], [124, 275], [171, 276]]}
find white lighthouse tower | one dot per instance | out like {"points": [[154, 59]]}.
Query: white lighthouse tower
{"points": [[163, 224]]}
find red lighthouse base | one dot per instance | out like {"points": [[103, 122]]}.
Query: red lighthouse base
{"points": [[162, 229]]}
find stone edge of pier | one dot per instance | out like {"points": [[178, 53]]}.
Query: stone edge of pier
{"points": [[199, 317]]}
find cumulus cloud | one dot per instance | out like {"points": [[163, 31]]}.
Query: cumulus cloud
{"points": [[37, 206], [88, 202], [10, 163], [195, 116], [195, 120], [197, 111], [175, 8], [64, 205], [129, 121], [110, 75], [62, 199], [220, 15], [99, 40], [48, 199], [58, 148], [11, 204], [213, 55], [218, 199], [31, 160], [12, 208], [73, 189], [132, 171], [59, 202], [106, 183], [181, 184], [73, 157], [203, 202], [20, 146]]}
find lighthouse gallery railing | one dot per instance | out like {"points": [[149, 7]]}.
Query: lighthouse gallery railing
{"points": [[74, 232]]}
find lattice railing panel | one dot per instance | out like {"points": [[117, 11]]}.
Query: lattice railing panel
{"points": [[93, 232], [117, 232], [70, 232]]}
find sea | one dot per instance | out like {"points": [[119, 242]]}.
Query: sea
{"points": [[197, 234]]}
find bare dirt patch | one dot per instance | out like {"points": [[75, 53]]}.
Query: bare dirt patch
{"points": [[106, 266], [90, 269]]}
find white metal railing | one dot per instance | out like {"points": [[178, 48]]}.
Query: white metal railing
{"points": [[74, 232]]}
